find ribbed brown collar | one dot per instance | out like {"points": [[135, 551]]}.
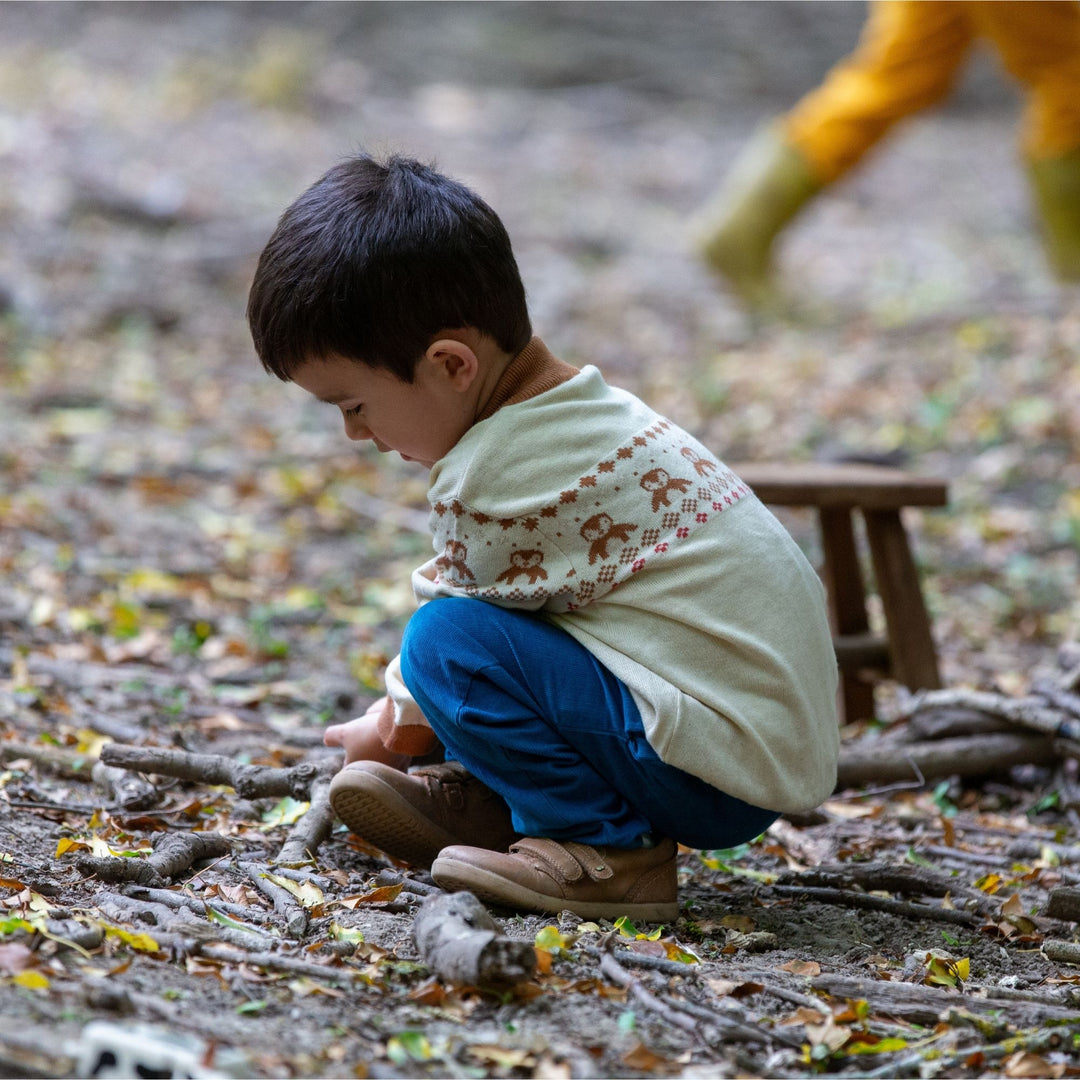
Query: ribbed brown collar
{"points": [[533, 371]]}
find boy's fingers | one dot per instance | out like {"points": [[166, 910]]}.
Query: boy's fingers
{"points": [[332, 735]]}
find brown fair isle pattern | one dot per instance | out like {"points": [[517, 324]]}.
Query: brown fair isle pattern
{"points": [[665, 486]]}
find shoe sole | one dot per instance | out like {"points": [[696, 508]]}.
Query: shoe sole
{"points": [[376, 812], [456, 876]]}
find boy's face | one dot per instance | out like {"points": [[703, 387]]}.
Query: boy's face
{"points": [[421, 420]]}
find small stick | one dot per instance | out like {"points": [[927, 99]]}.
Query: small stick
{"points": [[850, 898], [313, 827], [285, 905], [679, 1017], [173, 899]]}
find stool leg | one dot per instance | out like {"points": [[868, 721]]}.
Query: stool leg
{"points": [[911, 645], [847, 599]]}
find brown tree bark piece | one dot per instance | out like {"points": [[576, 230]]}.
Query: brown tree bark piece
{"points": [[462, 943], [882, 762], [1064, 903]]}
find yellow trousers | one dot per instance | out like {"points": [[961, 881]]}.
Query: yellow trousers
{"points": [[908, 58]]}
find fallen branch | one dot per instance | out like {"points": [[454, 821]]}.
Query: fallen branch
{"points": [[941, 723], [462, 943], [249, 781], [1066, 700], [290, 965], [163, 922], [908, 880], [690, 1020], [1032, 711], [1033, 849], [128, 791], [1066, 952], [173, 854], [172, 898], [877, 762], [923, 1004], [70, 764], [285, 904], [407, 883], [313, 827], [869, 902]]}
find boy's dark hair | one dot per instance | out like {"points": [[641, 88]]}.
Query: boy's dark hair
{"points": [[375, 259]]}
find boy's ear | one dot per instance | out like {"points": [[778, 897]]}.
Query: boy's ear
{"points": [[456, 359]]}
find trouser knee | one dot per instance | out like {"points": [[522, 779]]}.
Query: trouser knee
{"points": [[444, 645]]}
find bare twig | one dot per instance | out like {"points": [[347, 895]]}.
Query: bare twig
{"points": [[909, 880], [850, 898], [174, 899], [690, 1020], [285, 904], [312, 829]]}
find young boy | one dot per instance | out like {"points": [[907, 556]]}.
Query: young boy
{"points": [[619, 648]]}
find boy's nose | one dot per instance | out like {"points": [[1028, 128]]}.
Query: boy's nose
{"points": [[356, 429]]}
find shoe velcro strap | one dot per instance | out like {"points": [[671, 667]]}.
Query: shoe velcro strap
{"points": [[568, 861]]}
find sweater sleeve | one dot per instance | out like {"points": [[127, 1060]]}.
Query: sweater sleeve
{"points": [[402, 727]]}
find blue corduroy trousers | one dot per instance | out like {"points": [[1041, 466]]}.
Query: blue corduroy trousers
{"points": [[530, 712]]}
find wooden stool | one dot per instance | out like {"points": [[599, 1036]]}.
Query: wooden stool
{"points": [[907, 652]]}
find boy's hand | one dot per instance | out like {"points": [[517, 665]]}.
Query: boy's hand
{"points": [[360, 740]]}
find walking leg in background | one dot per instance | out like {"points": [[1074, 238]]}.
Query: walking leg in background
{"points": [[908, 58]]}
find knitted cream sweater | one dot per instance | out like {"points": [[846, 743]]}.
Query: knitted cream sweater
{"points": [[574, 499]]}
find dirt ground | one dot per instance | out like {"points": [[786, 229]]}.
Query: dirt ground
{"points": [[192, 557]]}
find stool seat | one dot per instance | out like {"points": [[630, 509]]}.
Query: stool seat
{"points": [[870, 487], [836, 490]]}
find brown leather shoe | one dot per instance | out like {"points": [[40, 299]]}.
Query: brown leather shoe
{"points": [[544, 875], [413, 816]]}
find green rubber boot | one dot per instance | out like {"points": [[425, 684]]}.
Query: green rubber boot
{"points": [[1055, 184], [767, 186]]}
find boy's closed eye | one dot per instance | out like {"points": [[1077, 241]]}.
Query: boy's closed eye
{"points": [[354, 411]]}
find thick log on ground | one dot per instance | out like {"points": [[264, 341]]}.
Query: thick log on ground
{"points": [[462, 943], [982, 755]]}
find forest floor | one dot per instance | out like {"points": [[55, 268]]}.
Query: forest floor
{"points": [[193, 559]]}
